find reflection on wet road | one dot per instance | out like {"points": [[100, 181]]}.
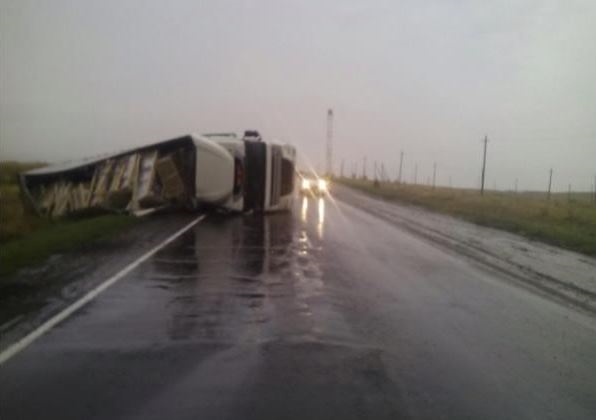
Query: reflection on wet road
{"points": [[228, 280], [325, 312]]}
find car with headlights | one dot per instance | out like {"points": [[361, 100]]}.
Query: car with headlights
{"points": [[311, 184]]}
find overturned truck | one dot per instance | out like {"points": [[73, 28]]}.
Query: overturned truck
{"points": [[224, 170]]}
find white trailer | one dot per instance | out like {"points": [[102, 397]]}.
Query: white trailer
{"points": [[224, 170]]}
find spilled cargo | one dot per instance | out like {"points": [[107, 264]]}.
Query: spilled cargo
{"points": [[226, 171]]}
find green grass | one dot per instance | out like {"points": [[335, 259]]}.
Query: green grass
{"points": [[58, 237], [14, 220], [567, 222], [27, 239]]}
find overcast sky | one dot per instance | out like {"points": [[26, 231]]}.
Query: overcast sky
{"points": [[429, 77]]}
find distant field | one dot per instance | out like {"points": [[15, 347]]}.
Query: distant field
{"points": [[565, 221], [26, 239], [9, 170]]}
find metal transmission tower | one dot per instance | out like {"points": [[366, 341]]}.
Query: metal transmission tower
{"points": [[329, 142]]}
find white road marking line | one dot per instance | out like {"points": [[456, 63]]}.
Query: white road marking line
{"points": [[24, 342]]}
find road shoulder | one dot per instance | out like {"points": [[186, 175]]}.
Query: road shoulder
{"points": [[30, 297], [566, 276]]}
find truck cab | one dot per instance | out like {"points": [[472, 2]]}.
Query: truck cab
{"points": [[263, 173]]}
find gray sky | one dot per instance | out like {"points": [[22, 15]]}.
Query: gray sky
{"points": [[429, 77]]}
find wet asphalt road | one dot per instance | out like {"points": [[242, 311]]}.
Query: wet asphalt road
{"points": [[323, 313]]}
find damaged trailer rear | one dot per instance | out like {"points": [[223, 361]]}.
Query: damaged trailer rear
{"points": [[217, 170]]}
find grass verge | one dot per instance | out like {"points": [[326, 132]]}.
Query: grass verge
{"points": [[26, 239], [57, 237], [565, 221]]}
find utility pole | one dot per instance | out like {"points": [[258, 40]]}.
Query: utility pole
{"points": [[416, 174], [375, 167], [550, 181], [341, 169], [329, 142], [483, 166], [434, 174], [401, 162], [569, 194], [364, 167], [382, 172]]}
